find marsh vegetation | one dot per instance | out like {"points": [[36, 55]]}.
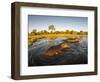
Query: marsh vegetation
{"points": [[53, 47]]}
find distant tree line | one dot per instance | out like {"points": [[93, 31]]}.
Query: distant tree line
{"points": [[52, 29]]}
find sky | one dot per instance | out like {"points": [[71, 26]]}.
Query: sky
{"points": [[61, 23]]}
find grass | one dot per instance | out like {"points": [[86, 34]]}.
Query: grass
{"points": [[34, 38]]}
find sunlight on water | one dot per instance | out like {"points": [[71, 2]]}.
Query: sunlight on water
{"points": [[49, 52]]}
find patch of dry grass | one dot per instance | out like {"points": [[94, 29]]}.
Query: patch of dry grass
{"points": [[34, 38]]}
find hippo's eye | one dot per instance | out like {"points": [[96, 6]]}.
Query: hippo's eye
{"points": [[56, 53]]}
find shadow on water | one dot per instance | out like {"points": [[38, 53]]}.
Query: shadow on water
{"points": [[49, 52]]}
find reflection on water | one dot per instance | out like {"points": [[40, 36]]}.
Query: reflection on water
{"points": [[50, 52]]}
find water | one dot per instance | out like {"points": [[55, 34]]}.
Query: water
{"points": [[77, 54]]}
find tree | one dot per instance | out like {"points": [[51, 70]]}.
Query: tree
{"points": [[67, 31], [34, 31], [51, 28], [81, 32], [44, 31], [71, 32]]}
